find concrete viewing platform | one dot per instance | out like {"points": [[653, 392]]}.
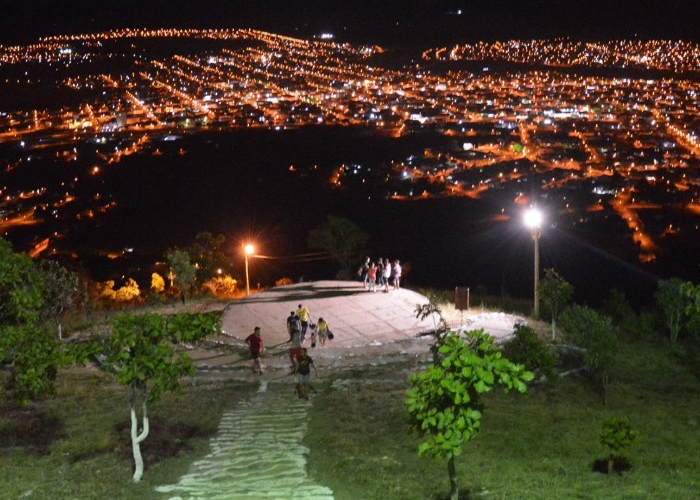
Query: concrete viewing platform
{"points": [[356, 316], [365, 324]]}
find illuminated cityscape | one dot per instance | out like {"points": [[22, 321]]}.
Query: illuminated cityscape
{"points": [[544, 127]]}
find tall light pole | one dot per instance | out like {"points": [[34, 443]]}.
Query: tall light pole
{"points": [[247, 250], [533, 220]]}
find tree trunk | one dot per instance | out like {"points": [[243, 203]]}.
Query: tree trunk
{"points": [[136, 438], [606, 382], [454, 488]]}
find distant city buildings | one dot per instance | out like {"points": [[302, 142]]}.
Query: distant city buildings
{"points": [[591, 143]]}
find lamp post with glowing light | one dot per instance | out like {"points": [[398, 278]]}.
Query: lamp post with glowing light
{"points": [[247, 250], [533, 220]]}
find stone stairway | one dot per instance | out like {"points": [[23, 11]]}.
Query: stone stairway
{"points": [[256, 455]]}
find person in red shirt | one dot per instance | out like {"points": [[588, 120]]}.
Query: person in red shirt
{"points": [[255, 343], [372, 277]]}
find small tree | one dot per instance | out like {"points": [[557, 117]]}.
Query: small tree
{"points": [[445, 402], [692, 310], [183, 270], [341, 238], [208, 253], [618, 307], [672, 301], [616, 435], [598, 336], [30, 355], [141, 353], [555, 293], [432, 310], [60, 291]]}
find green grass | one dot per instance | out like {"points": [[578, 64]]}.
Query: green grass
{"points": [[77, 445], [535, 446]]}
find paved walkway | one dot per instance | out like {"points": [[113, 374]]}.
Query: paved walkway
{"points": [[257, 453]]}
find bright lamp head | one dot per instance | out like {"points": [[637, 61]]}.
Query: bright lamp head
{"points": [[533, 218]]}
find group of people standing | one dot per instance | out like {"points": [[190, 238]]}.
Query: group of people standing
{"points": [[380, 274], [298, 324]]}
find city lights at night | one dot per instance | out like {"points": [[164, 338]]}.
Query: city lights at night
{"points": [[246, 246], [632, 138]]}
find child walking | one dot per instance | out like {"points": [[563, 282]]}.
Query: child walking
{"points": [[304, 364]]}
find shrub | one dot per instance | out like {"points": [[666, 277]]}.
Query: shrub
{"points": [[526, 348], [597, 335], [642, 327], [617, 307], [616, 435], [221, 286]]}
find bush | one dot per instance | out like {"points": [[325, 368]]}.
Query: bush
{"points": [[617, 307], [526, 348], [616, 435], [597, 335], [594, 332], [642, 327]]}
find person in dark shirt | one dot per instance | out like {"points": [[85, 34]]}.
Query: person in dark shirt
{"points": [[294, 330], [304, 364], [255, 344]]}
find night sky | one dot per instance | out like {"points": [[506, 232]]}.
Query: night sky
{"points": [[417, 22]]}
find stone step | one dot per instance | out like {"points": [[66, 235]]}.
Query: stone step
{"points": [[257, 453]]}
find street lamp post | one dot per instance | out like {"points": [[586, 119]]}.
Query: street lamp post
{"points": [[247, 250], [533, 220]]}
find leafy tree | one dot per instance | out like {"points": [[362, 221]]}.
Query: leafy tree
{"points": [[183, 270], [597, 334], [341, 238], [60, 291], [692, 309], [157, 283], [445, 401], [672, 301], [208, 253], [30, 355], [141, 352], [617, 435], [555, 292], [21, 287], [618, 307]]}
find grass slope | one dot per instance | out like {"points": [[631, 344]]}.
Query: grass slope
{"points": [[77, 445], [539, 446]]}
